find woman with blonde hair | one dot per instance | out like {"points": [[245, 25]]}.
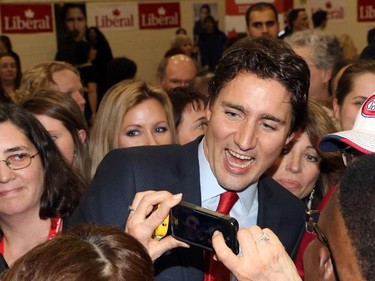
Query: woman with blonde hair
{"points": [[132, 113], [348, 47], [184, 43]]}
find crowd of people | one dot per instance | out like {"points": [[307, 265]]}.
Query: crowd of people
{"points": [[93, 159]]}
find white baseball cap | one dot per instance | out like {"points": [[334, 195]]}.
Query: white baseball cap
{"points": [[361, 137]]}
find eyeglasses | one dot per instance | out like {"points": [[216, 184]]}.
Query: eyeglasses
{"points": [[349, 154], [19, 161], [311, 218]]}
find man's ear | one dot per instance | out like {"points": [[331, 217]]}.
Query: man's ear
{"points": [[327, 74], [208, 111], [326, 272], [289, 138], [159, 81], [82, 135]]}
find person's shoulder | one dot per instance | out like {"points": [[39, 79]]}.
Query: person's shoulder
{"points": [[273, 189], [154, 154]]}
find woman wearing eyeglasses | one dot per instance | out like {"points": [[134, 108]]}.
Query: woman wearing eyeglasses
{"points": [[38, 190]]}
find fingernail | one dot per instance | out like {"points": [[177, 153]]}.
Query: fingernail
{"points": [[216, 233], [177, 196]]}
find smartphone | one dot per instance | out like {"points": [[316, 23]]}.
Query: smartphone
{"points": [[195, 225]]}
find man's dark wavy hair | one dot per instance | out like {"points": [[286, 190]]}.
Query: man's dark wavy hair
{"points": [[268, 59]]}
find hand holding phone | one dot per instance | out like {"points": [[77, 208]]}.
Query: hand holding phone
{"points": [[195, 225], [148, 210]]}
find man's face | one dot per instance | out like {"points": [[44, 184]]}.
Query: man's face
{"points": [[69, 83], [193, 123], [317, 259], [75, 22], [179, 72], [248, 127], [263, 23], [318, 77]]}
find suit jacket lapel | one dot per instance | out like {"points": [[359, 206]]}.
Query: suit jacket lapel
{"points": [[190, 259], [268, 213]]}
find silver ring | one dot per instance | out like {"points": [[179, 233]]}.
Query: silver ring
{"points": [[264, 237], [130, 209]]}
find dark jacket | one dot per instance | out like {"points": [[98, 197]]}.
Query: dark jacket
{"points": [[175, 168]]}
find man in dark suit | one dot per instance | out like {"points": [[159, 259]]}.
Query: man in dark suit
{"points": [[258, 98]]}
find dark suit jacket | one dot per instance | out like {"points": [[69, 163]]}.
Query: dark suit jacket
{"points": [[175, 168]]}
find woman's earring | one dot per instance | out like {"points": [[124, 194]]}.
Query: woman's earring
{"points": [[311, 197]]}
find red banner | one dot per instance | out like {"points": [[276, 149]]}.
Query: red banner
{"points": [[235, 7], [160, 15], [26, 18], [366, 10]]}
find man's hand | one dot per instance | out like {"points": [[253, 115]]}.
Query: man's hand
{"points": [[144, 219]]}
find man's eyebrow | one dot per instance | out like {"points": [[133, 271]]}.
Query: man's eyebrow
{"points": [[273, 118], [232, 105]]}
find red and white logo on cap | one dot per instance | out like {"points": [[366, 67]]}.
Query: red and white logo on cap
{"points": [[368, 108]]}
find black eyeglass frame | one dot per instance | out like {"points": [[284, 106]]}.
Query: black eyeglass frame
{"points": [[311, 219], [349, 154]]}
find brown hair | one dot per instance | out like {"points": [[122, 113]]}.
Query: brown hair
{"points": [[346, 82], [62, 185], [62, 107], [318, 123], [95, 253]]}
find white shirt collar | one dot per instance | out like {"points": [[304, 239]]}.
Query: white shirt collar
{"points": [[210, 188]]}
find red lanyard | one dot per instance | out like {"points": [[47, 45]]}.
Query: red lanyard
{"points": [[56, 226]]}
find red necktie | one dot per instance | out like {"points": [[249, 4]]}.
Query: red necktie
{"points": [[215, 270]]}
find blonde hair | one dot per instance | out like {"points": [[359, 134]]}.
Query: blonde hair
{"points": [[349, 50], [116, 103], [40, 77], [180, 39]]}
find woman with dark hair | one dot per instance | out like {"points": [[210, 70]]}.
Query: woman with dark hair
{"points": [[90, 77], [211, 43], [6, 47], [10, 75], [297, 21], [38, 190], [354, 86], [204, 11], [104, 53], [304, 169]]}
